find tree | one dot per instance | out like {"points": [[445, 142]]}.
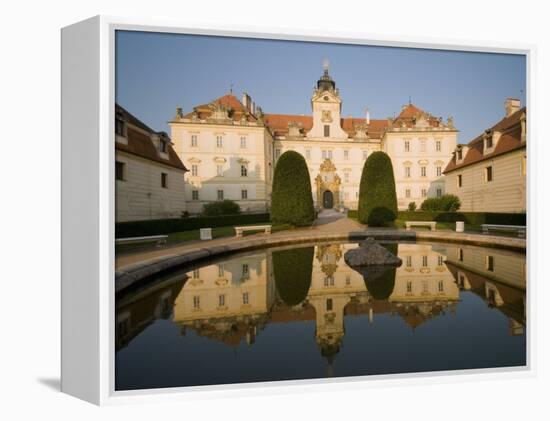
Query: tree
{"points": [[412, 206], [291, 199], [377, 197], [292, 270]]}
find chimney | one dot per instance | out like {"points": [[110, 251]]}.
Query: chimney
{"points": [[253, 107], [511, 105], [367, 117], [246, 101]]}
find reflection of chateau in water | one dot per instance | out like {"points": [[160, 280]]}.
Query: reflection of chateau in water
{"points": [[232, 301], [497, 276]]}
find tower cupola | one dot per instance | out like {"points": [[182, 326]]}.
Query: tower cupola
{"points": [[325, 82]]}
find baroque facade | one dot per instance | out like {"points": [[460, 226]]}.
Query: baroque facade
{"points": [[232, 147], [489, 173]]}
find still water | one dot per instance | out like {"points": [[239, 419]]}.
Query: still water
{"points": [[302, 313]]}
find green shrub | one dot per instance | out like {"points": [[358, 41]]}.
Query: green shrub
{"points": [[223, 207], [167, 226], [377, 197], [291, 198], [445, 203], [292, 270], [470, 218], [412, 206]]}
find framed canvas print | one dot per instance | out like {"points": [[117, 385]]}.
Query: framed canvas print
{"points": [[249, 209]]}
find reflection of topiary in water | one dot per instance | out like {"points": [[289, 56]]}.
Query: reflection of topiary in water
{"points": [[292, 270]]}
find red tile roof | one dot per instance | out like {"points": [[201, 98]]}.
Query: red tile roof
{"points": [[235, 107], [278, 123], [141, 144], [509, 141], [409, 114]]}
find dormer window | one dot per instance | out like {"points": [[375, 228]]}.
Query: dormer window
{"points": [[488, 142], [163, 145], [459, 154], [119, 127]]}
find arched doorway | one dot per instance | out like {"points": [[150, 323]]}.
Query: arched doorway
{"points": [[328, 199]]}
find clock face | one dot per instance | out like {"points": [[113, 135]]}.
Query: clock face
{"points": [[325, 98]]}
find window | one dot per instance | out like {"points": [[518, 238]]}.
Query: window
{"points": [[327, 130], [329, 304], [119, 170], [409, 261], [119, 127], [244, 194], [219, 141], [164, 180], [440, 260], [407, 193], [245, 271], [346, 154], [424, 287], [220, 194], [243, 142], [365, 155], [438, 171], [459, 154], [197, 301], [425, 261], [490, 263], [194, 141], [459, 180], [308, 153], [422, 146], [329, 281], [439, 193], [438, 145], [219, 170], [194, 170], [460, 254], [423, 171], [221, 271], [489, 142], [440, 286], [408, 172], [409, 286], [346, 177], [195, 195], [327, 154], [221, 300], [488, 174], [196, 274], [277, 153], [424, 193], [407, 146], [348, 280], [163, 145], [244, 171], [245, 297]]}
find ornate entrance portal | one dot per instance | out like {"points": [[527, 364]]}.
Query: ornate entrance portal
{"points": [[328, 185], [328, 200]]}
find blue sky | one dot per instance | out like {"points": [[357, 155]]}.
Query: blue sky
{"points": [[156, 72]]}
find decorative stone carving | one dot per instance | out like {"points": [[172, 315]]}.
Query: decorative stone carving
{"points": [[327, 166], [450, 123], [179, 113], [326, 116], [294, 129]]}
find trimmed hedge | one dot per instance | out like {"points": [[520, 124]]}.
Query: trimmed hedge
{"points": [[167, 226], [377, 197], [223, 207], [291, 198], [445, 203], [292, 270], [471, 218]]}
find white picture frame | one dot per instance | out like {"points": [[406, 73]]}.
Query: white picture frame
{"points": [[88, 60]]}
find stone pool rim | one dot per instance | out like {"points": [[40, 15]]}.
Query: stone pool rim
{"points": [[132, 274]]}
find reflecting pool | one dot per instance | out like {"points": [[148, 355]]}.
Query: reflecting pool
{"points": [[300, 312]]}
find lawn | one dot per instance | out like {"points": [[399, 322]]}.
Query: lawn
{"points": [[400, 223]]}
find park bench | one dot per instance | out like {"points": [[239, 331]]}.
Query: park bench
{"points": [[159, 239], [409, 224], [239, 230], [520, 229]]}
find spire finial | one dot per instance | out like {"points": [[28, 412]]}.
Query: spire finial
{"points": [[410, 100], [326, 65], [231, 88]]}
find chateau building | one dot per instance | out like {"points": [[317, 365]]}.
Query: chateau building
{"points": [[232, 148], [149, 174], [489, 173]]}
